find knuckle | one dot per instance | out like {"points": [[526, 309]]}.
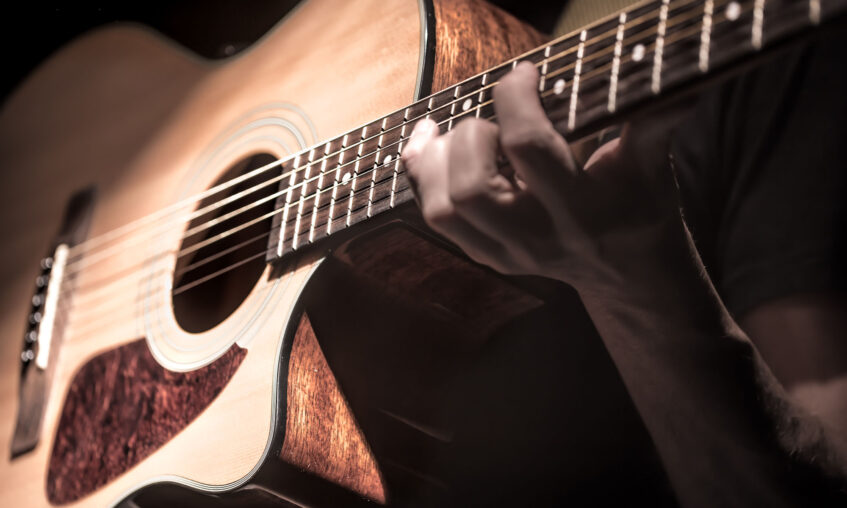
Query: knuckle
{"points": [[471, 189], [466, 196]]}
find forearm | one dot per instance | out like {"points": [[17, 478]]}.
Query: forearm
{"points": [[723, 426]]}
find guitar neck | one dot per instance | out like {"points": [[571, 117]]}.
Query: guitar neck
{"points": [[588, 80]]}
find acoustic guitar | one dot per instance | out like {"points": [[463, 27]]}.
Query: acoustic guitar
{"points": [[216, 289]]}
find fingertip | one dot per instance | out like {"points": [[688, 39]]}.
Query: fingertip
{"points": [[521, 82], [422, 133], [527, 67], [425, 126], [524, 75]]}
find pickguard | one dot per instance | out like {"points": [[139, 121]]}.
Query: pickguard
{"points": [[121, 407]]}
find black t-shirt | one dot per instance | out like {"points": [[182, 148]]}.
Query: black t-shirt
{"points": [[762, 165]]}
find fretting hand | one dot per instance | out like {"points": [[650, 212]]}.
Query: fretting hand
{"points": [[593, 228]]}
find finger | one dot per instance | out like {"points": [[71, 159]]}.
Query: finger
{"points": [[426, 161], [479, 191], [537, 152], [424, 131]]}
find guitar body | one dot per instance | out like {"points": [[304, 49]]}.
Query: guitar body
{"points": [[148, 392]]}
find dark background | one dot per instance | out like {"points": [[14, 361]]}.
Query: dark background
{"points": [[211, 28]]}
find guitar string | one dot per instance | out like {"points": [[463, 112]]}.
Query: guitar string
{"points": [[90, 260], [201, 262], [182, 288], [85, 247], [263, 253]]}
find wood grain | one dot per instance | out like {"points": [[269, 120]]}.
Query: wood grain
{"points": [[143, 120], [121, 407], [321, 434], [415, 270], [472, 36]]}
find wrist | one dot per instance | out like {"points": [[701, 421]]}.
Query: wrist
{"points": [[659, 269]]}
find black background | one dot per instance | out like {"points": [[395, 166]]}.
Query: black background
{"points": [[31, 32]]}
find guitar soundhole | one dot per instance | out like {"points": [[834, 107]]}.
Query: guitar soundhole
{"points": [[211, 282]]}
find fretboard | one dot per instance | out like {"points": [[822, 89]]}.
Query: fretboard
{"points": [[588, 79]]}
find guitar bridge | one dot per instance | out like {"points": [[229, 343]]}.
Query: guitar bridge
{"points": [[43, 331]]}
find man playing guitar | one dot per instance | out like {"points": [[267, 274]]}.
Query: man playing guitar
{"points": [[743, 387]]}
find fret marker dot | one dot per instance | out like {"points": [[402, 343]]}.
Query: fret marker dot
{"points": [[466, 105], [733, 11], [559, 86], [345, 178], [638, 52], [386, 160]]}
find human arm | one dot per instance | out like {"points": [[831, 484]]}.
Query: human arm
{"points": [[726, 431]]}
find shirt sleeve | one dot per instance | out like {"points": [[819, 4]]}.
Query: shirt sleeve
{"points": [[761, 165]]}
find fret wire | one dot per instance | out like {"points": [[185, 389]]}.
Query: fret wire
{"points": [[401, 193], [575, 85], [397, 164], [303, 190], [333, 199], [381, 136], [706, 35], [641, 36], [656, 82], [291, 180], [544, 69], [758, 20], [381, 204], [224, 185], [371, 192], [481, 95], [453, 107], [318, 192], [629, 41], [296, 169], [355, 173], [373, 177], [671, 39], [395, 190], [616, 64], [488, 86], [392, 186], [481, 92], [734, 34], [352, 190], [477, 108], [632, 22]]}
